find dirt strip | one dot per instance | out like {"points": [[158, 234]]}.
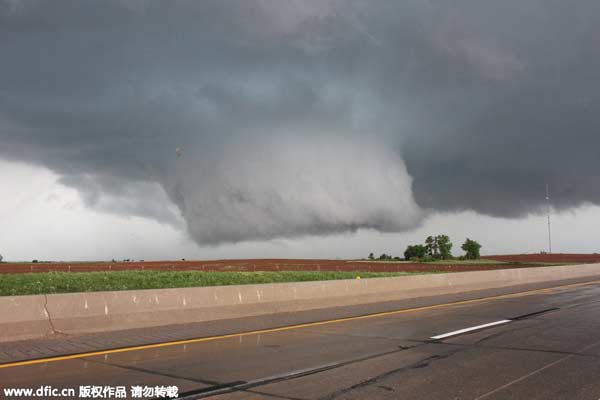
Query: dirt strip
{"points": [[293, 265], [549, 258]]}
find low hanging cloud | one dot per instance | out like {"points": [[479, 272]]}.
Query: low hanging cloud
{"points": [[280, 189], [305, 117]]}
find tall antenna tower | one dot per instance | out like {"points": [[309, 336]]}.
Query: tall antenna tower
{"points": [[548, 213]]}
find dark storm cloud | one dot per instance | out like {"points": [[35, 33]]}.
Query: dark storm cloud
{"points": [[307, 117]]}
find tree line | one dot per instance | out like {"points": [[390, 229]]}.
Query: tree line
{"points": [[435, 248]]}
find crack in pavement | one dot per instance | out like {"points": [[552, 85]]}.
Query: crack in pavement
{"points": [[276, 396], [427, 361], [544, 351], [535, 372], [302, 373], [150, 371], [424, 363]]}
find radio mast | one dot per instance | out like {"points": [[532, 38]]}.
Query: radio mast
{"points": [[548, 213]]}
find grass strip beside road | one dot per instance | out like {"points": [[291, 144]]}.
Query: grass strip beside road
{"points": [[66, 282]]}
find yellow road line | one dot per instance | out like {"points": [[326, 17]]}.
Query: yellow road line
{"points": [[284, 328]]}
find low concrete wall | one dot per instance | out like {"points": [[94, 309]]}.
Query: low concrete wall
{"points": [[24, 317]]}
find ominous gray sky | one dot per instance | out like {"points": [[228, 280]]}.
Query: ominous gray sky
{"points": [[302, 119]]}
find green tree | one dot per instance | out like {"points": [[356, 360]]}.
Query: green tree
{"points": [[444, 246], [414, 252], [431, 247], [371, 256], [471, 249], [438, 247]]}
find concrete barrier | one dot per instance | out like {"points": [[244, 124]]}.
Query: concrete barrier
{"points": [[25, 317]]}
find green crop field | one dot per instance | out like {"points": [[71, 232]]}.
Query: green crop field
{"points": [[65, 282]]}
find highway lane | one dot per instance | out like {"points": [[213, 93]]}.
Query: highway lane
{"points": [[550, 349]]}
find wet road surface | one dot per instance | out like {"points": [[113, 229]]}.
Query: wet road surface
{"points": [[548, 347]]}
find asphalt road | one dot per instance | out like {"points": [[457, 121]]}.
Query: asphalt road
{"points": [[547, 347]]}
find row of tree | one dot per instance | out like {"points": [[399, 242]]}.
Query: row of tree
{"points": [[435, 248], [384, 257], [440, 248]]}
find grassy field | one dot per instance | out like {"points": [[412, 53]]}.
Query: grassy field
{"points": [[65, 282]]}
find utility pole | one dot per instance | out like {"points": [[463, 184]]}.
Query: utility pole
{"points": [[549, 227]]}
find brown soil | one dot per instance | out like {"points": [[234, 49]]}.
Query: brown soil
{"points": [[293, 265], [549, 258]]}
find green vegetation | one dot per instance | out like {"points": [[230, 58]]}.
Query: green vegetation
{"points": [[384, 257], [439, 248], [435, 248], [471, 249], [68, 282], [416, 251]]}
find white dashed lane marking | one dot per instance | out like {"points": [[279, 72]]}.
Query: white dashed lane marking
{"points": [[471, 329]]}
